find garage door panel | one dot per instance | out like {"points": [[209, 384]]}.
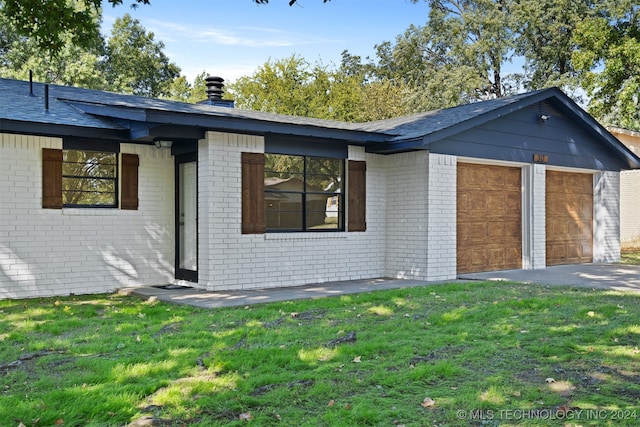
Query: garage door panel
{"points": [[477, 204], [477, 232], [556, 251], [489, 232], [569, 217]]}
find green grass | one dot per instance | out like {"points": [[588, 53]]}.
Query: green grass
{"points": [[481, 350], [630, 256]]}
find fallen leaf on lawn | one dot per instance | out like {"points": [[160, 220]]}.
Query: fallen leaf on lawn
{"points": [[428, 402], [57, 303], [550, 380], [21, 425], [591, 314], [635, 350], [138, 338], [294, 314], [246, 416], [331, 402], [563, 410], [357, 359], [59, 422], [347, 406]]}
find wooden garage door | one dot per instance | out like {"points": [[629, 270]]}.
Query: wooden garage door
{"points": [[569, 213], [489, 218]]}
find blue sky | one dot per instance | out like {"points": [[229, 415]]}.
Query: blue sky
{"points": [[233, 38]]}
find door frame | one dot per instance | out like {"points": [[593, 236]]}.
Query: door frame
{"points": [[181, 273]]}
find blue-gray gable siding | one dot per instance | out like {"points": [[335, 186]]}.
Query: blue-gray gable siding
{"points": [[521, 135]]}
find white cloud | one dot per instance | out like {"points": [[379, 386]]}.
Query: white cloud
{"points": [[255, 37]]}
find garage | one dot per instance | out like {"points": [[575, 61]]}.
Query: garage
{"points": [[569, 217], [489, 218]]}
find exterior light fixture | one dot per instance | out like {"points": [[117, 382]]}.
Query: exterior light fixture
{"points": [[163, 144], [544, 117]]}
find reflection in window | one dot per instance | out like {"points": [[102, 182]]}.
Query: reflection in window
{"points": [[89, 178], [303, 193]]}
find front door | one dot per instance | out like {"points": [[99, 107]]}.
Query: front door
{"points": [[187, 217]]}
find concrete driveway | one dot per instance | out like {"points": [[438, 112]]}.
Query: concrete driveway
{"points": [[603, 276]]}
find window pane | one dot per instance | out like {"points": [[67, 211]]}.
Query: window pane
{"points": [[283, 163], [89, 164], [283, 181], [89, 178], [324, 173], [290, 180], [283, 210], [324, 211]]}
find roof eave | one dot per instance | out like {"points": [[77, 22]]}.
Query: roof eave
{"points": [[60, 130]]}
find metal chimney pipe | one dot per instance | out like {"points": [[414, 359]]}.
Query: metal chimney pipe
{"points": [[31, 83], [215, 88], [46, 98]]}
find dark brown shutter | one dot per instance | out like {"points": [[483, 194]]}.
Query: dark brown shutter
{"points": [[357, 190], [129, 184], [253, 215], [51, 178]]}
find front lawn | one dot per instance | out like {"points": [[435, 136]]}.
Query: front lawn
{"points": [[630, 256], [477, 354]]}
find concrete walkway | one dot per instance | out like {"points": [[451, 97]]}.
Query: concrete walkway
{"points": [[603, 276], [216, 299]]}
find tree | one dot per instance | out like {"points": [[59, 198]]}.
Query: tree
{"points": [[544, 37], [608, 57], [476, 34], [135, 63], [295, 87], [53, 23], [73, 65]]}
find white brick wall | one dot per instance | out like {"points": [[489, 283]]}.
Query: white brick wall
{"points": [[411, 211], [56, 252], [406, 219], [441, 217], [231, 260], [630, 209], [606, 217]]}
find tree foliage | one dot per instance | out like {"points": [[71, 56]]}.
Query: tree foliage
{"points": [[135, 63], [608, 56], [544, 37], [293, 86], [53, 23]]}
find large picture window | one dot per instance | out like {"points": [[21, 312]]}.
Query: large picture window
{"points": [[89, 179], [303, 193]]}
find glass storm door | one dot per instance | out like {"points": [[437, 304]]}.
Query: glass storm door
{"points": [[186, 218]]}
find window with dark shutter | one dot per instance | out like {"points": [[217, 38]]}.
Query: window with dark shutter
{"points": [[129, 192], [356, 193], [51, 178], [253, 213]]}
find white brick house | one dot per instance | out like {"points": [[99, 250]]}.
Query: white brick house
{"points": [[92, 199]]}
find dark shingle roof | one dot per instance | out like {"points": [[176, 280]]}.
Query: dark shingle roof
{"points": [[423, 124], [120, 116]]}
